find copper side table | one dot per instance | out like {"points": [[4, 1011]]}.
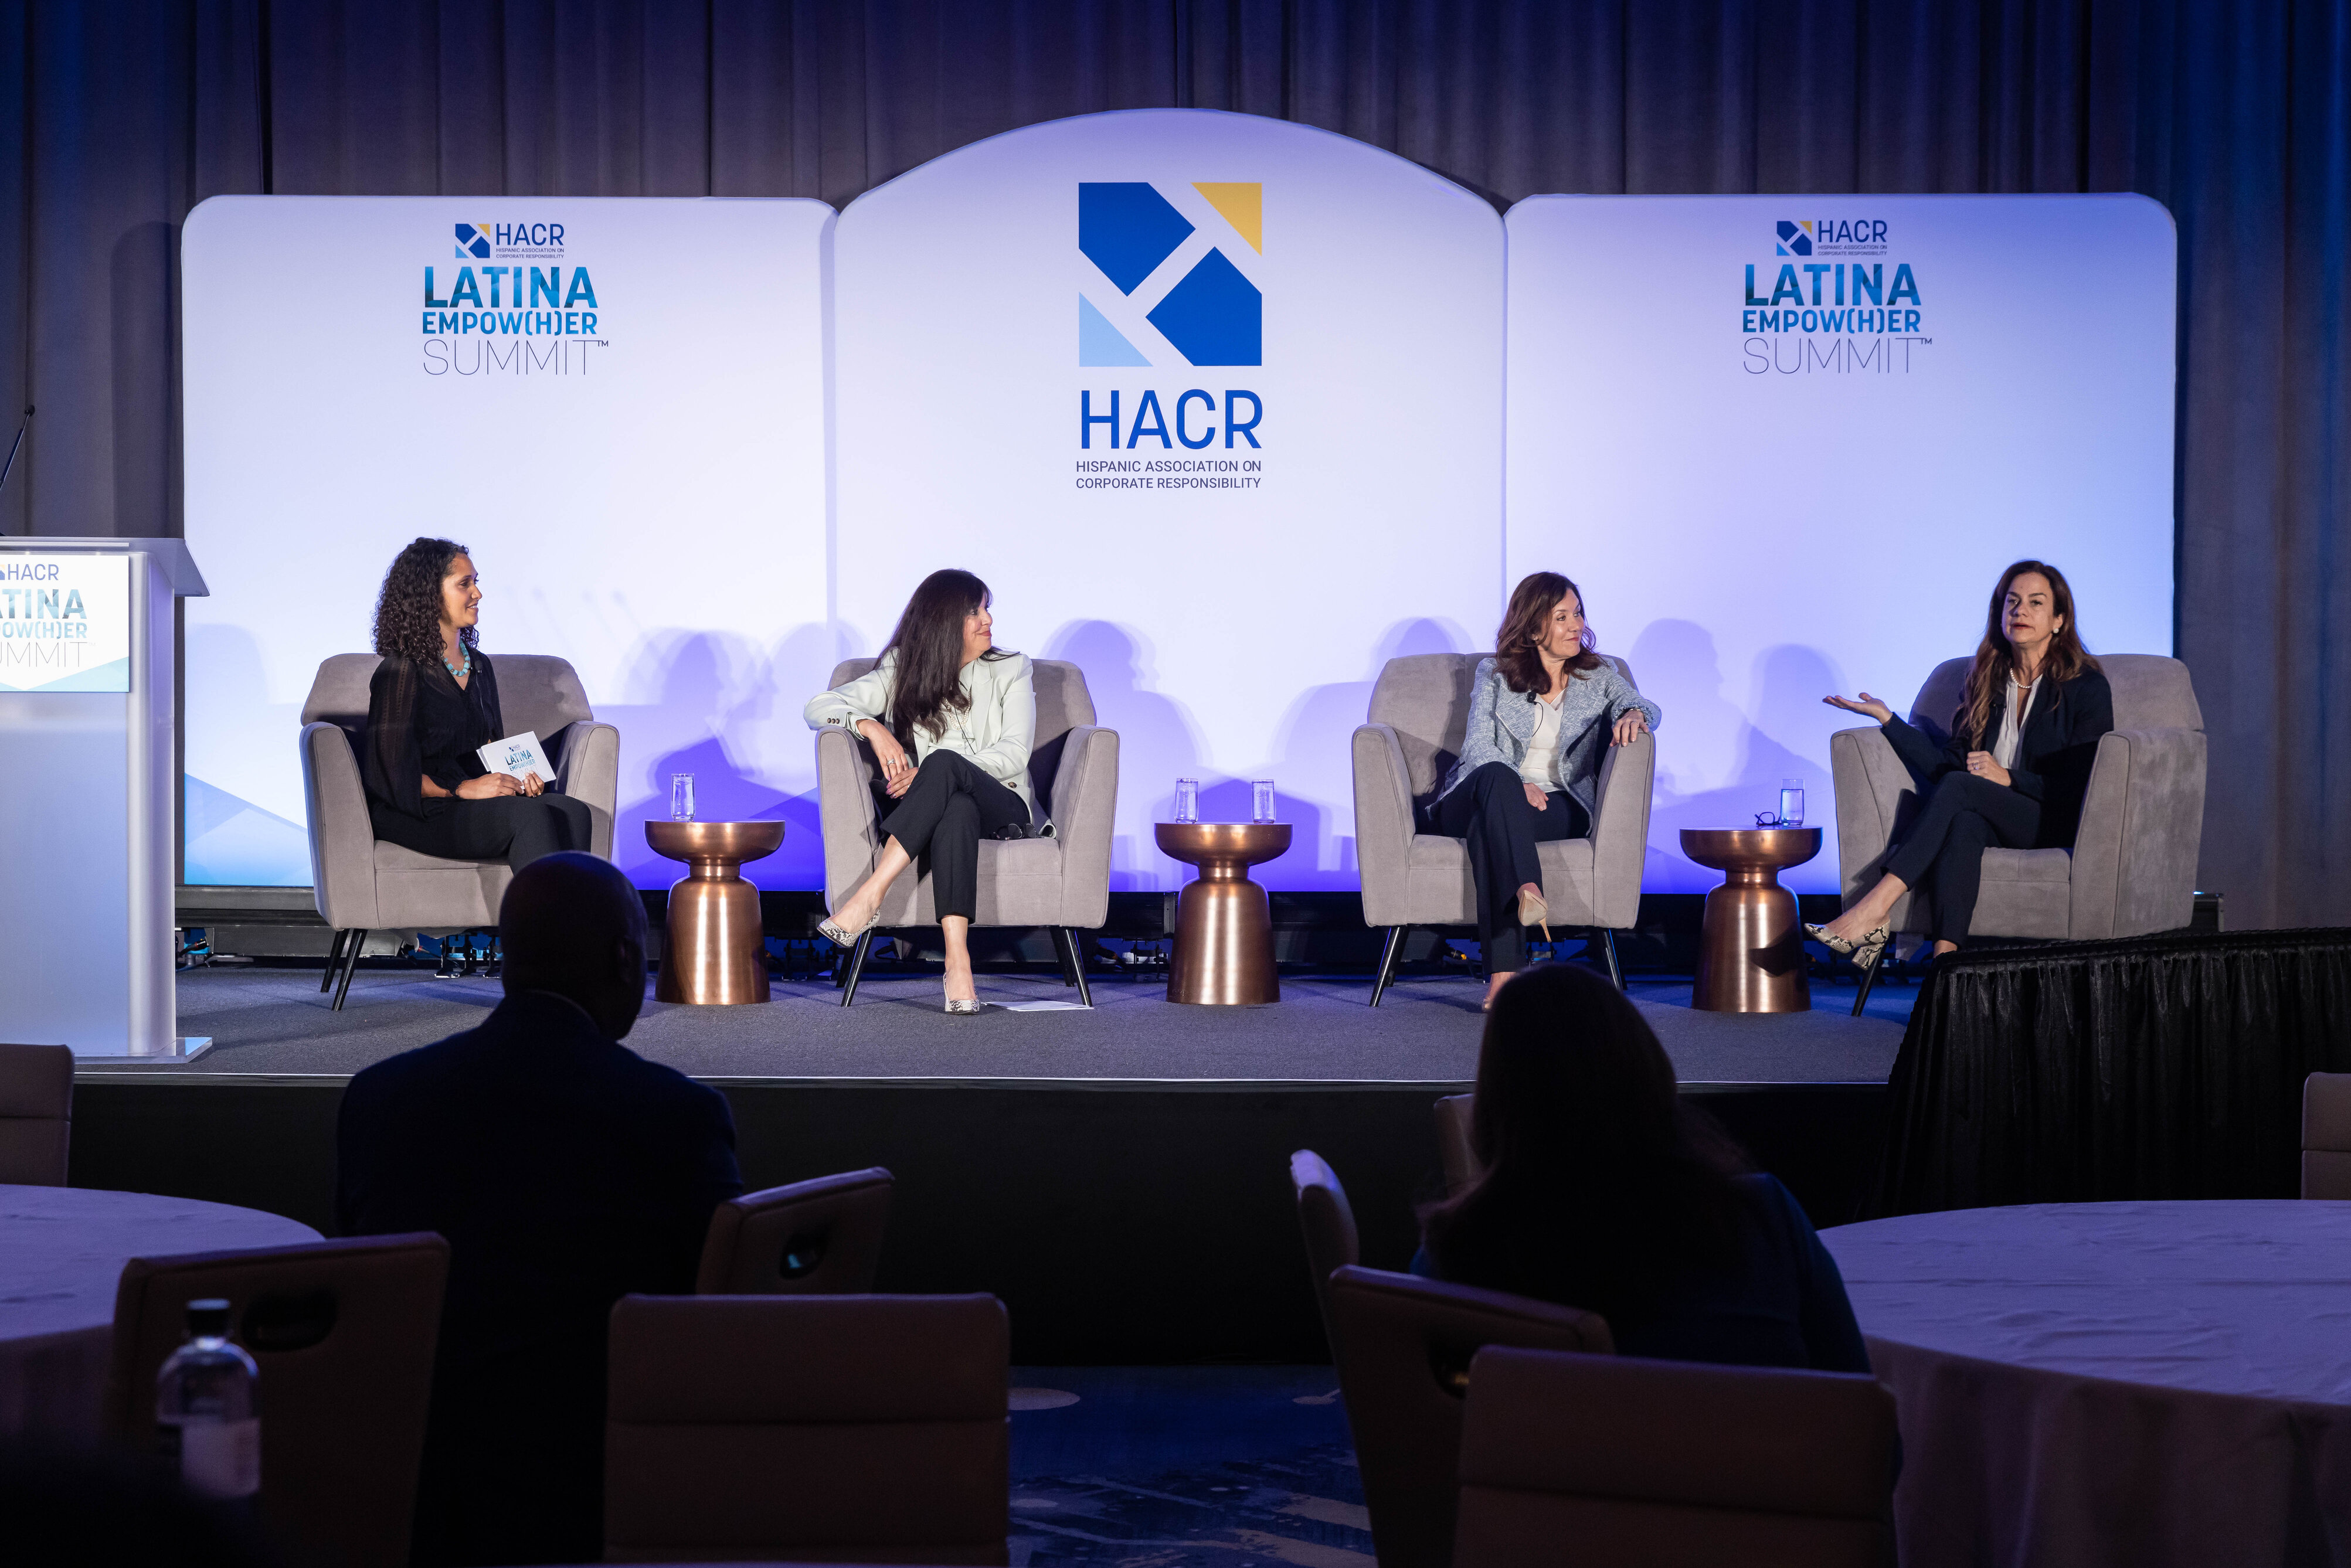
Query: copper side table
{"points": [[1224, 932], [1750, 957], [715, 952]]}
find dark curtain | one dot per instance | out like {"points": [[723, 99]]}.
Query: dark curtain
{"points": [[2236, 116], [2159, 1067]]}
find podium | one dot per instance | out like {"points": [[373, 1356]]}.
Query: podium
{"points": [[88, 852]]}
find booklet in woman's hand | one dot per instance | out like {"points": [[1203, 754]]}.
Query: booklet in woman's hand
{"points": [[518, 756]]}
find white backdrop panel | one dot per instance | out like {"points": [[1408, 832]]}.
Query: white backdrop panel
{"points": [[1227, 633], [644, 494], [1760, 515]]}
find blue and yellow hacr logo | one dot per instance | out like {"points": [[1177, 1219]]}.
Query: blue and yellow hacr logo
{"points": [[1129, 230], [473, 242]]}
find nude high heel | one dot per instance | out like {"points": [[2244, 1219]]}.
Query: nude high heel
{"points": [[1533, 911]]}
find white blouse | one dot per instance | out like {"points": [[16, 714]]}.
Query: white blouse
{"points": [[1539, 765], [2011, 722]]}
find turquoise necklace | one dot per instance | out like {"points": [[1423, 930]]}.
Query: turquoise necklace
{"points": [[459, 672]]}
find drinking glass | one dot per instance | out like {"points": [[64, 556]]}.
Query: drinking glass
{"points": [[680, 797], [1261, 800], [1187, 800], [1792, 802]]}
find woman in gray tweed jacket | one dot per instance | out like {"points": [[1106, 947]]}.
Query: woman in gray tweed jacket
{"points": [[1544, 709]]}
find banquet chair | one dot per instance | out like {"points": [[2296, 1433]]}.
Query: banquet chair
{"points": [[35, 1113], [1457, 1150], [1585, 1459], [1419, 710], [820, 1237], [2132, 869], [1328, 1221], [361, 882], [807, 1428], [343, 1334], [1404, 1349], [2327, 1135], [1061, 883]]}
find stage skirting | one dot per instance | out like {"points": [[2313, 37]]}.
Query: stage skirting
{"points": [[2156, 1067]]}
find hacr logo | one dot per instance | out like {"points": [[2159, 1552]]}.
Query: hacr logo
{"points": [[1157, 282], [474, 240], [1795, 239]]}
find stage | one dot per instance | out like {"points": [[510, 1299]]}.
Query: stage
{"points": [[1119, 1177], [274, 1021]]}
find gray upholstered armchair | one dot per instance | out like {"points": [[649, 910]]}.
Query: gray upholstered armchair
{"points": [[1420, 708], [2132, 869], [1061, 883], [363, 884]]}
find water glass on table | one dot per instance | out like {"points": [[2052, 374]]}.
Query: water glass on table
{"points": [[1187, 800], [680, 797], [1792, 802], [1261, 800]]}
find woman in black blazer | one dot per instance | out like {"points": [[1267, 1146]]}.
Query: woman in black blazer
{"points": [[2013, 774]]}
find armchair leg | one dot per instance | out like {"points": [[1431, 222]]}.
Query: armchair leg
{"points": [[856, 966], [1074, 963], [350, 962], [1608, 946], [1393, 945], [334, 961]]}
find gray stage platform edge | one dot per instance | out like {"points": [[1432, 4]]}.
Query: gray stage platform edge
{"points": [[1135, 1224]]}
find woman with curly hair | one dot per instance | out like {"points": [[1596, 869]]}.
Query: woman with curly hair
{"points": [[432, 704]]}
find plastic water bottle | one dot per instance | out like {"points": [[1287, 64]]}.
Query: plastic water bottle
{"points": [[208, 1410]]}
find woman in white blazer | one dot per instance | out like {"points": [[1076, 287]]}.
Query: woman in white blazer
{"points": [[951, 717]]}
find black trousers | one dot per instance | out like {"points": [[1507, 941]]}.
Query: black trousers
{"points": [[943, 815], [1941, 855], [519, 828], [1490, 810]]}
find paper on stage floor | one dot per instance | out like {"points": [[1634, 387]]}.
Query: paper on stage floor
{"points": [[517, 756]]}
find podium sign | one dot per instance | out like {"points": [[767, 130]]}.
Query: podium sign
{"points": [[64, 623], [86, 844]]}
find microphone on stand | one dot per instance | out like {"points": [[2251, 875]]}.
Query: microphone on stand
{"points": [[10, 467]]}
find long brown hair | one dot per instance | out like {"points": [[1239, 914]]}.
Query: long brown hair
{"points": [[1602, 1185], [928, 682], [1996, 660], [1514, 645]]}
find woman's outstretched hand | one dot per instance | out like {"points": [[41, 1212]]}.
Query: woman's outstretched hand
{"points": [[1865, 703], [1629, 724]]}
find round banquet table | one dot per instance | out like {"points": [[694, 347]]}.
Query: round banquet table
{"points": [[2127, 1382], [61, 1252]]}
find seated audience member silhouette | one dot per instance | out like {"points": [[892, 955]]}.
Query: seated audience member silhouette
{"points": [[1601, 1189], [566, 1171]]}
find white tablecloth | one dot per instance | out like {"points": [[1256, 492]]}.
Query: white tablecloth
{"points": [[61, 1252], [2115, 1383]]}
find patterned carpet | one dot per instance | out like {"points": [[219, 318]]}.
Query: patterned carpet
{"points": [[1173, 1467]]}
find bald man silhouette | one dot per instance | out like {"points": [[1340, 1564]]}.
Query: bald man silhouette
{"points": [[566, 1171]]}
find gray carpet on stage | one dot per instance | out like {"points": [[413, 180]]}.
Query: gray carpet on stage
{"points": [[268, 1020]]}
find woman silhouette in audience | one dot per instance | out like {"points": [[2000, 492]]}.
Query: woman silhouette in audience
{"points": [[950, 716], [432, 705], [2010, 776], [1601, 1187]]}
